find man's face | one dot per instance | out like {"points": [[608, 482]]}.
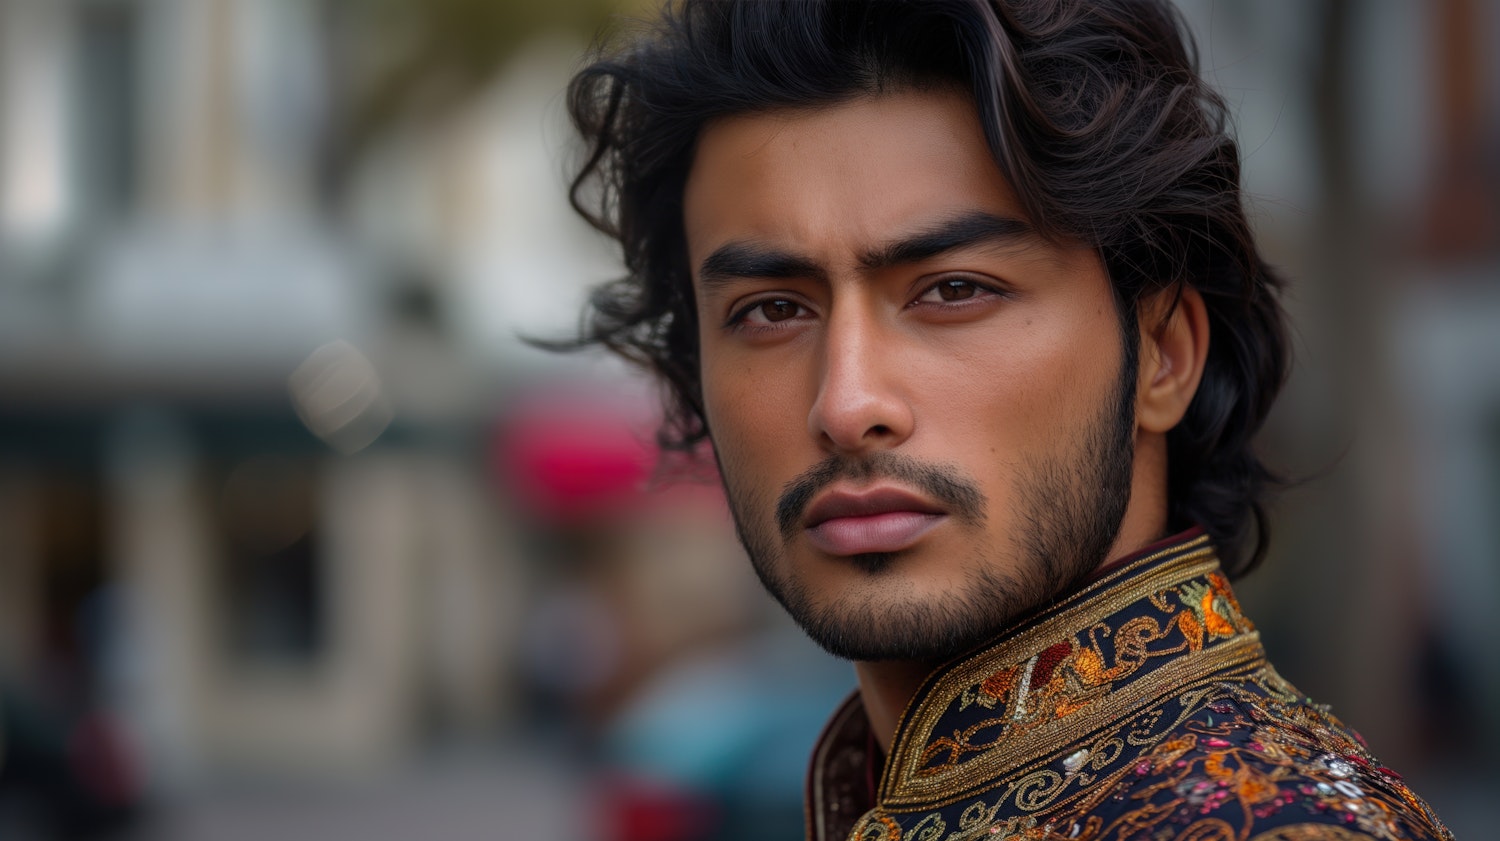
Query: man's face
{"points": [[923, 412]]}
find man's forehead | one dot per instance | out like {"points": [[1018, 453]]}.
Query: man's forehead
{"points": [[871, 171]]}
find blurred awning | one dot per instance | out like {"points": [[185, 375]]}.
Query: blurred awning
{"points": [[575, 459]]}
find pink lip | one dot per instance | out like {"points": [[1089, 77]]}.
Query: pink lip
{"points": [[878, 520]]}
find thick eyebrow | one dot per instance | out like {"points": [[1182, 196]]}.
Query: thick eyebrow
{"points": [[739, 260], [963, 231], [744, 260]]}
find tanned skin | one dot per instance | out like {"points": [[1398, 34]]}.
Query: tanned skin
{"points": [[826, 333]]}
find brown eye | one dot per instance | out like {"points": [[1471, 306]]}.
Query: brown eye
{"points": [[955, 290], [779, 309]]}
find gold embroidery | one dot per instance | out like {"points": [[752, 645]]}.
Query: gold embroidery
{"points": [[1076, 683], [993, 760], [1141, 707], [876, 827], [1210, 830]]}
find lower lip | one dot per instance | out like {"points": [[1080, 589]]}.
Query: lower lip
{"points": [[890, 532]]}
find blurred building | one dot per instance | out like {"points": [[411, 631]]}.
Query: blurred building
{"points": [[188, 348], [238, 432], [283, 491]]}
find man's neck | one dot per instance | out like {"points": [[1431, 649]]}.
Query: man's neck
{"points": [[885, 688]]}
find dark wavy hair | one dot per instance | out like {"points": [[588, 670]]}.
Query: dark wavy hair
{"points": [[1094, 111]]}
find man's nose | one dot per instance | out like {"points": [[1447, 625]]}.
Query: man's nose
{"points": [[861, 404]]}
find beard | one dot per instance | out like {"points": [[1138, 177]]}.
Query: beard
{"points": [[1070, 507]]}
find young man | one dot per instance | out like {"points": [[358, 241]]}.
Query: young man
{"points": [[963, 295]]}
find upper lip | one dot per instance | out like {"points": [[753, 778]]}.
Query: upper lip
{"points": [[866, 503]]}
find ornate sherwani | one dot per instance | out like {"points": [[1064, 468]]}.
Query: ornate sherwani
{"points": [[1140, 707]]}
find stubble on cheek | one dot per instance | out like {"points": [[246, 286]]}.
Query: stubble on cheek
{"points": [[1061, 510], [746, 506]]}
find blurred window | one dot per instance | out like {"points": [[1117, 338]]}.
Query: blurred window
{"points": [[272, 592], [109, 104]]}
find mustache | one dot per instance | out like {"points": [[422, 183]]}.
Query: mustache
{"points": [[944, 483]]}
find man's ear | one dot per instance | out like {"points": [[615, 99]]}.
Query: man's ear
{"points": [[1174, 345]]}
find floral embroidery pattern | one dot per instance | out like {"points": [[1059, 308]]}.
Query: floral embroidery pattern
{"points": [[1250, 761], [1069, 674], [1141, 710]]}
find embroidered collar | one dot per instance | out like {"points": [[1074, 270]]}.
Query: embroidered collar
{"points": [[1151, 626]]}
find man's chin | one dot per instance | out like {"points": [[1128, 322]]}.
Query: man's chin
{"points": [[872, 563], [888, 621], [892, 635]]}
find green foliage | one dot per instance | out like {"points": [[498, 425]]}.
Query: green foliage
{"points": [[398, 61]]}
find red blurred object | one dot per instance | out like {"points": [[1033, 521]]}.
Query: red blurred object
{"points": [[102, 761], [573, 460], [641, 810]]}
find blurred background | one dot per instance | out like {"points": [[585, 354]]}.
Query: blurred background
{"points": [[299, 540]]}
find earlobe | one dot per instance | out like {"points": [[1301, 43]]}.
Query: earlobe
{"points": [[1174, 347]]}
